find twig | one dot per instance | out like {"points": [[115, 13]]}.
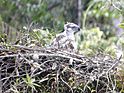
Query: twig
{"points": [[42, 54], [116, 62], [67, 84]]}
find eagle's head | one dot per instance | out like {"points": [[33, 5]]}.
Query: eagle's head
{"points": [[71, 28]]}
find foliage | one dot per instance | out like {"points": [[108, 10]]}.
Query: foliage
{"points": [[30, 82], [121, 25], [3, 37], [102, 13], [94, 41], [43, 37], [54, 13], [19, 13]]}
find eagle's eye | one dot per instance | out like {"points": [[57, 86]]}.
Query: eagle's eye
{"points": [[78, 29], [75, 28]]}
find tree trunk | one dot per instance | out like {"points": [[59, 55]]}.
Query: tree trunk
{"points": [[79, 12]]}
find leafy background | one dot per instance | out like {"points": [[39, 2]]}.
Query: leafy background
{"points": [[99, 20]]}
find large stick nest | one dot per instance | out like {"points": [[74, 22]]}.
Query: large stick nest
{"points": [[52, 71]]}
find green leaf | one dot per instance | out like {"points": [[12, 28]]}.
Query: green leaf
{"points": [[121, 25]]}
